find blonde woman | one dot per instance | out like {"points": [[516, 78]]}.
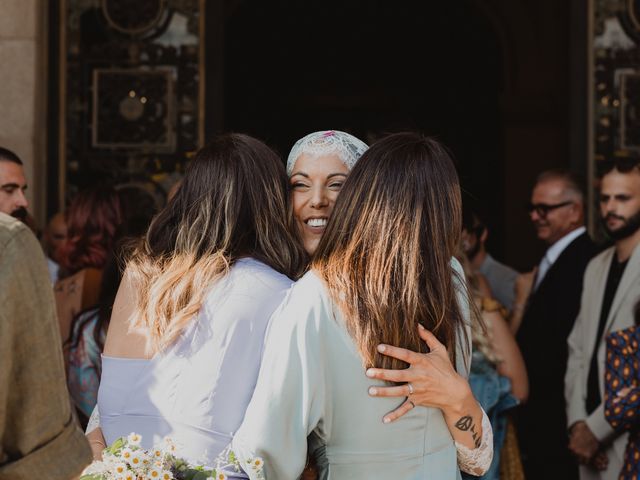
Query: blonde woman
{"points": [[382, 275], [184, 344]]}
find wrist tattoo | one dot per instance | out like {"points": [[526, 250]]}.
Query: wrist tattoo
{"points": [[466, 424]]}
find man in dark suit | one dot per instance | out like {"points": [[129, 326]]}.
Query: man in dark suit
{"points": [[550, 306]]}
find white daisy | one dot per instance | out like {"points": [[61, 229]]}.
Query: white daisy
{"points": [[134, 439], [154, 474]]}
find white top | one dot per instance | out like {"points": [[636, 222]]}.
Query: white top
{"points": [[197, 390], [312, 384], [54, 270], [554, 251]]}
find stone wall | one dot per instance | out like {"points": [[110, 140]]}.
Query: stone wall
{"points": [[23, 77]]}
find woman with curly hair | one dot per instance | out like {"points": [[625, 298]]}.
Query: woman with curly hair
{"points": [[92, 221]]}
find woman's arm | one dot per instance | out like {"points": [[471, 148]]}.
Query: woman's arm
{"points": [[289, 399], [511, 364], [523, 286], [94, 435], [97, 442], [431, 381]]}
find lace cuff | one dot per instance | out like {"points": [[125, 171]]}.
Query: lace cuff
{"points": [[477, 461], [94, 421]]}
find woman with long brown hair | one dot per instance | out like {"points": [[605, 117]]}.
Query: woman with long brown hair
{"points": [[184, 343], [382, 275]]}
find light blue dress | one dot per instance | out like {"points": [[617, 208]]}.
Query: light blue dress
{"points": [[197, 390], [312, 384]]}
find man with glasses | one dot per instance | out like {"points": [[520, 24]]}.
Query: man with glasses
{"points": [[611, 291], [550, 303]]}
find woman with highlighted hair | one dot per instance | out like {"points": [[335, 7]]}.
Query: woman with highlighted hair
{"points": [[382, 275], [184, 343]]}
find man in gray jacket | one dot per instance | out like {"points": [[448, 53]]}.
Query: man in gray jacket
{"points": [[610, 291]]}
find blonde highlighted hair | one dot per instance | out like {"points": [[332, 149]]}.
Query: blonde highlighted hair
{"points": [[231, 204], [387, 249]]}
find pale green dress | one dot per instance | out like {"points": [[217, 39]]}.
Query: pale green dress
{"points": [[312, 384]]}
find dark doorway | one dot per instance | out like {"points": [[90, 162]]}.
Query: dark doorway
{"points": [[370, 67]]}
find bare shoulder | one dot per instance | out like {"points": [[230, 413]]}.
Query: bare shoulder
{"points": [[122, 340], [70, 287], [68, 296]]}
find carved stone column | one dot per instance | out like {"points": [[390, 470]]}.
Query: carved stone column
{"points": [[22, 95]]}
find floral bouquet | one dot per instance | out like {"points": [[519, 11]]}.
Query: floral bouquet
{"points": [[125, 459]]}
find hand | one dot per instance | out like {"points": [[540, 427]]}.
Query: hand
{"points": [[621, 394], [582, 442], [600, 461], [431, 379]]}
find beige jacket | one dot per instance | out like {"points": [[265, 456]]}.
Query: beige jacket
{"points": [[38, 436], [582, 341]]}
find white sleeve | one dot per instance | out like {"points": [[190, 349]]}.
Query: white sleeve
{"points": [[94, 421], [289, 400], [477, 461]]}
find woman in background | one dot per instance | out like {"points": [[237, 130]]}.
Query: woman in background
{"points": [[92, 222], [498, 375], [89, 327]]}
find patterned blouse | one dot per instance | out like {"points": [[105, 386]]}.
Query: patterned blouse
{"points": [[622, 394], [85, 364]]}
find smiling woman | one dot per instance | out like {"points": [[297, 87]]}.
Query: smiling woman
{"points": [[317, 167]]}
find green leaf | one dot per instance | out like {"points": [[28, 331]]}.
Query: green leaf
{"points": [[198, 473], [202, 476], [116, 446]]}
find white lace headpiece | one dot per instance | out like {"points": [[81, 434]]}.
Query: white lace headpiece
{"points": [[328, 142]]}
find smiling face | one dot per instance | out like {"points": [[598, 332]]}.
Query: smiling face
{"points": [[557, 222], [315, 185]]}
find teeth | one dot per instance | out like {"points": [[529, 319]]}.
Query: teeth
{"points": [[317, 222]]}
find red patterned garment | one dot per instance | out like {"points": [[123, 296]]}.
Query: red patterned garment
{"points": [[622, 394]]}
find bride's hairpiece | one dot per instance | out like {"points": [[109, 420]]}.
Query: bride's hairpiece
{"points": [[328, 142]]}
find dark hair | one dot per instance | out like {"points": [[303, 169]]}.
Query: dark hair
{"points": [[622, 160], [7, 155], [387, 249], [138, 208], [231, 204], [92, 221], [471, 221]]}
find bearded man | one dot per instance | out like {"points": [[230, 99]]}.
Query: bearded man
{"points": [[501, 277], [12, 185], [610, 291]]}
